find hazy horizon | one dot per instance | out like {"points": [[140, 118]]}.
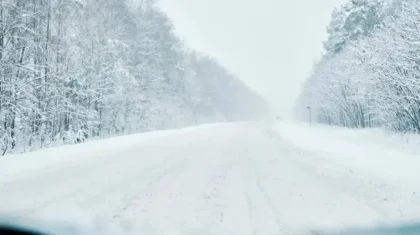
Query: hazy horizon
{"points": [[271, 45]]}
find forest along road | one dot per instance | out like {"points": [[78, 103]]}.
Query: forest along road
{"points": [[238, 178]]}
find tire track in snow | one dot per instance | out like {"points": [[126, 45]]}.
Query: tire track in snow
{"points": [[212, 206], [170, 173], [250, 208], [271, 205], [85, 190]]}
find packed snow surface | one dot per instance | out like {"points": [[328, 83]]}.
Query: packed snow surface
{"points": [[234, 178]]}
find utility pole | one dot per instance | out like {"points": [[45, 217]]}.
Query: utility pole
{"points": [[310, 115]]}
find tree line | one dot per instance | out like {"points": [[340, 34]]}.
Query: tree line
{"points": [[77, 69], [369, 75]]}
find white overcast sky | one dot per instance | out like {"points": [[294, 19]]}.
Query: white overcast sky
{"points": [[270, 44]]}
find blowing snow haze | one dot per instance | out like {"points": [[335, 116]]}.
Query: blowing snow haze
{"points": [[270, 44], [74, 70], [111, 123]]}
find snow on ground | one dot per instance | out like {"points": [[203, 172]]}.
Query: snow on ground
{"points": [[392, 157], [237, 178], [387, 163]]}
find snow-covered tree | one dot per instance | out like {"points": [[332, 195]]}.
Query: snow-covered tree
{"points": [[374, 78], [72, 70], [353, 20]]}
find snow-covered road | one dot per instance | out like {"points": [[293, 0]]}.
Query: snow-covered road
{"points": [[240, 178]]}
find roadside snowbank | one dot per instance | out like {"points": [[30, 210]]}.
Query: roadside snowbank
{"points": [[21, 165], [388, 156]]}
